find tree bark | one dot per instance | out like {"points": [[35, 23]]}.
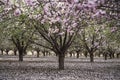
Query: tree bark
{"points": [[91, 57], [61, 61]]}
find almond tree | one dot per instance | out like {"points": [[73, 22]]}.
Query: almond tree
{"points": [[58, 22], [61, 21], [15, 27]]}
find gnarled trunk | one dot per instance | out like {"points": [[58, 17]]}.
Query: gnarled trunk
{"points": [[61, 58]]}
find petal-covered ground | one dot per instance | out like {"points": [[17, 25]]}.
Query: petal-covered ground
{"points": [[45, 68]]}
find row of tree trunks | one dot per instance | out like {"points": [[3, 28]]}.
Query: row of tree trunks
{"points": [[45, 53]]}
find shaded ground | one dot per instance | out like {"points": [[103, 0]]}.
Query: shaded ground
{"points": [[46, 69]]}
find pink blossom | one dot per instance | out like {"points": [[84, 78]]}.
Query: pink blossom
{"points": [[113, 29], [70, 1], [6, 1], [101, 1], [17, 12], [46, 7], [53, 20], [74, 25], [7, 9], [102, 12], [71, 32], [91, 4], [58, 19], [76, 1], [73, 1], [68, 30], [37, 17], [31, 2], [42, 21], [96, 44], [99, 13], [64, 20], [62, 33], [97, 30], [79, 6], [56, 30]]}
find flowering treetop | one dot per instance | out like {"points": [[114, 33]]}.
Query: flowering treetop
{"points": [[60, 15]]}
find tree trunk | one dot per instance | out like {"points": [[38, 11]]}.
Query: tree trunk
{"points": [[113, 55], [99, 54], [86, 54], [77, 54], [110, 55], [56, 54], [2, 51], [15, 52], [7, 52], [118, 55], [91, 57], [32, 52], [25, 52], [49, 54], [105, 56], [21, 54], [70, 54], [43, 53], [61, 61], [38, 53]]}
